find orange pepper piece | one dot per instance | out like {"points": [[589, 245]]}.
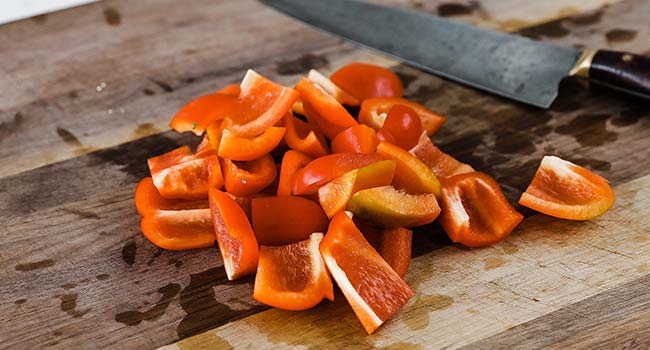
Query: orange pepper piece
{"points": [[179, 229], [202, 112], [148, 200], [322, 170], [281, 220], [181, 174], [291, 162], [301, 137], [293, 276], [568, 191], [402, 127], [247, 178], [248, 148], [335, 195], [231, 90], [375, 110], [356, 139], [262, 103], [326, 84], [364, 81], [442, 164], [374, 297], [411, 174], [393, 244], [475, 212], [234, 234], [324, 109]]}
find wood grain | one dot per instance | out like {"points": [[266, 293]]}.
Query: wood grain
{"points": [[100, 75], [464, 296], [78, 272]]}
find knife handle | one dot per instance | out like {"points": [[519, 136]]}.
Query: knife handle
{"points": [[619, 70]]}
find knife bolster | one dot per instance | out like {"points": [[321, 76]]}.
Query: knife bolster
{"points": [[582, 66]]}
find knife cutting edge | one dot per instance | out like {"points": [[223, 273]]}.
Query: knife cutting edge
{"points": [[512, 66]]}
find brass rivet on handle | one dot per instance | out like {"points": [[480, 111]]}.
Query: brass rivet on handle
{"points": [[627, 57]]}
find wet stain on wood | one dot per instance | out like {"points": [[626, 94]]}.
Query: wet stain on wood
{"points": [[57, 333], [509, 248], [417, 317], [83, 214], [587, 18], [40, 19], [630, 116], [453, 9], [148, 92], [145, 129], [177, 263], [36, 265], [128, 252], [494, 262], [203, 311], [20, 301], [302, 64], [73, 94], [8, 127], [112, 17], [135, 317], [154, 257], [132, 157], [406, 78], [68, 286], [553, 29], [514, 142], [589, 129], [68, 137], [69, 305], [103, 276], [163, 85], [620, 35]]}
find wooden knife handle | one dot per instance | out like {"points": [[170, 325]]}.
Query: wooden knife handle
{"points": [[621, 70]]}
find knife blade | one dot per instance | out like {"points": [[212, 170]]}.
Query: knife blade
{"points": [[508, 65]]}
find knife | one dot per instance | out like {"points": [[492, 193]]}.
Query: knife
{"points": [[512, 66]]}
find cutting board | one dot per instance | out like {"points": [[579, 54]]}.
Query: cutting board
{"points": [[85, 98]]}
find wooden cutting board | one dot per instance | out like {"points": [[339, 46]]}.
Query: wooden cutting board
{"points": [[85, 97]]}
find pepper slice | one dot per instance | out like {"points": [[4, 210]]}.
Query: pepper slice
{"points": [[402, 127], [148, 200], [179, 229], [411, 174], [181, 174], [323, 109], [568, 191], [475, 212], [291, 162], [286, 219], [356, 139], [234, 234], [247, 178], [393, 244], [373, 289], [375, 110], [248, 148], [204, 111], [442, 164], [334, 195], [321, 170], [326, 84], [262, 103], [294, 276], [365, 81], [301, 137]]}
